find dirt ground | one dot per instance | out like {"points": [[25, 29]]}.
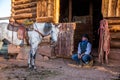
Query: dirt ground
{"points": [[55, 69]]}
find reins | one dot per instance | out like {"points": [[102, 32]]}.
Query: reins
{"points": [[40, 32]]}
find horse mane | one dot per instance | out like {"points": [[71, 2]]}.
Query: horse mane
{"points": [[47, 28]]}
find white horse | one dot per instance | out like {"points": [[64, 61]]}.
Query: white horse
{"points": [[35, 37]]}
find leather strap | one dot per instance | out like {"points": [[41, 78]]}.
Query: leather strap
{"points": [[40, 33]]}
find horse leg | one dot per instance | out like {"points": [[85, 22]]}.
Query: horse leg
{"points": [[34, 47], [33, 57], [29, 59]]}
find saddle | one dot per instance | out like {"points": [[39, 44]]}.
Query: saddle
{"points": [[19, 29], [13, 27]]}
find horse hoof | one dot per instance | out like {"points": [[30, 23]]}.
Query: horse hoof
{"points": [[29, 66], [34, 67]]}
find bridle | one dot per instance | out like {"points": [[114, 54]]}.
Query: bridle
{"points": [[36, 30], [40, 32]]}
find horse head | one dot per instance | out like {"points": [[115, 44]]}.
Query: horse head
{"points": [[54, 33]]}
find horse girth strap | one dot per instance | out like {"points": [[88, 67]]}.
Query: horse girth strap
{"points": [[39, 33]]}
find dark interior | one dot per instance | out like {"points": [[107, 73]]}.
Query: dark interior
{"points": [[97, 16], [82, 8]]}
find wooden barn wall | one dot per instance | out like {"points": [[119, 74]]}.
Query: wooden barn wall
{"points": [[69, 37], [48, 11], [111, 12], [65, 45], [23, 9]]}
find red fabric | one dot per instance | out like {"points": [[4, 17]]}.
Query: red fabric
{"points": [[104, 41], [21, 33]]}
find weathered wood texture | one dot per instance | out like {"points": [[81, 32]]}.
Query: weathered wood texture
{"points": [[48, 11], [65, 44], [114, 57], [24, 9], [111, 8], [40, 10], [111, 12], [69, 37]]}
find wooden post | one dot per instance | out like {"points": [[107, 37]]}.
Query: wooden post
{"points": [[70, 10], [12, 10], [109, 8], [118, 9], [91, 11], [49, 8], [56, 11], [105, 8]]}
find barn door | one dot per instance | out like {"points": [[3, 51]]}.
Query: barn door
{"points": [[48, 11]]}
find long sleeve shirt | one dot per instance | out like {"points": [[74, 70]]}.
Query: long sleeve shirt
{"points": [[88, 49]]}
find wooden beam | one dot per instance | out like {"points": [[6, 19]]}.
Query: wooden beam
{"points": [[23, 2], [56, 11], [109, 8], [25, 15], [112, 22], [112, 8], [105, 4], [23, 6], [44, 19], [118, 9], [70, 10], [26, 10], [22, 20]]}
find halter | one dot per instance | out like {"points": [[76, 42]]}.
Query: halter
{"points": [[40, 32]]}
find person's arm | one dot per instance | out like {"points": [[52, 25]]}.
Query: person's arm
{"points": [[88, 49], [79, 49]]}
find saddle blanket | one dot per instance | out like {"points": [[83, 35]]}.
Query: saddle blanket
{"points": [[19, 29]]}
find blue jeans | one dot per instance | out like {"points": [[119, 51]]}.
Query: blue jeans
{"points": [[75, 58], [85, 58]]}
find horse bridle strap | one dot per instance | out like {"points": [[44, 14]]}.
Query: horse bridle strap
{"points": [[39, 33]]}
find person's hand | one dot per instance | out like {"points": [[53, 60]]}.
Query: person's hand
{"points": [[79, 56], [82, 55]]}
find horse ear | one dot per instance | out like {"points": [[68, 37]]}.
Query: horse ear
{"points": [[59, 25]]}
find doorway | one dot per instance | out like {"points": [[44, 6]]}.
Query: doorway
{"points": [[82, 11]]}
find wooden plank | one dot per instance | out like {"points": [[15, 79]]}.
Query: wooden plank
{"points": [[22, 20], [26, 10], [109, 8], [70, 10], [113, 22], [114, 28], [44, 19], [115, 35], [25, 15], [115, 44], [23, 6], [65, 39], [115, 55], [23, 2], [113, 8], [105, 4], [45, 11], [56, 11], [118, 9]]}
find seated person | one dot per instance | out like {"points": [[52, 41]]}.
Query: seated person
{"points": [[84, 50]]}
